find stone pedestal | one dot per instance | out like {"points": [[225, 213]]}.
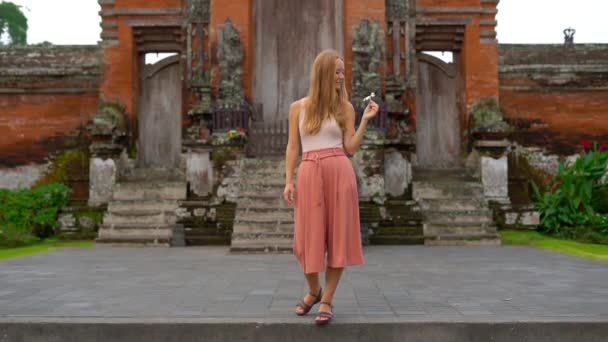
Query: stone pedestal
{"points": [[102, 177], [494, 169], [397, 172], [199, 171]]}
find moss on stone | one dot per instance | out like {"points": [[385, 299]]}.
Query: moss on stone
{"points": [[220, 155], [487, 117], [65, 165]]}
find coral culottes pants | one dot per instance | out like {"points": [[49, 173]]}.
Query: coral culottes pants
{"points": [[326, 212]]}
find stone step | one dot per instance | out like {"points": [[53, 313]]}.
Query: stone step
{"points": [[262, 193], [151, 218], [149, 190], [135, 233], [464, 240], [206, 240], [447, 190], [247, 187], [262, 245], [398, 230], [432, 175], [431, 230], [396, 240], [409, 220], [135, 226], [264, 215], [136, 241], [260, 227], [142, 205], [269, 181], [263, 203], [452, 204], [262, 236], [456, 217]]}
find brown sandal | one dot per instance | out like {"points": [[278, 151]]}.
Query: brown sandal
{"points": [[305, 307], [324, 314]]}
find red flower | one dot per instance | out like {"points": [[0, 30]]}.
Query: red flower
{"points": [[241, 130], [604, 147], [586, 144]]}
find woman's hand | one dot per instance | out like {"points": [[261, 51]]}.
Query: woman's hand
{"points": [[370, 111], [288, 193]]}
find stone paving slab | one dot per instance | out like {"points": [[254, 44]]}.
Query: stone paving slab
{"points": [[209, 284]]}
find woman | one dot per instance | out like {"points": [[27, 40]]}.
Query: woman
{"points": [[325, 197]]}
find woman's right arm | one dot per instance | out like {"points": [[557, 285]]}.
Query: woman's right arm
{"points": [[292, 152]]}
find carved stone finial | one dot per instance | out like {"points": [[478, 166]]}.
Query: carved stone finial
{"points": [[396, 9], [198, 10], [230, 55], [367, 55], [569, 35]]}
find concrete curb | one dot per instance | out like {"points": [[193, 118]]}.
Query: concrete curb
{"points": [[152, 330]]}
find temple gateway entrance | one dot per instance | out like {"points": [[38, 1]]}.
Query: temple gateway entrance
{"points": [[437, 121], [160, 138]]}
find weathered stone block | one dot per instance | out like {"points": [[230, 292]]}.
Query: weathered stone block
{"points": [[199, 172], [102, 177], [494, 176], [397, 173]]}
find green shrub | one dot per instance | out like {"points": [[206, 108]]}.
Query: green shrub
{"points": [[580, 199], [26, 214]]}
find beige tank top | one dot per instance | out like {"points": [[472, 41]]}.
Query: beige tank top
{"points": [[329, 136]]}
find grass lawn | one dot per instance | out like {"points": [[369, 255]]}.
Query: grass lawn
{"points": [[536, 239], [51, 244]]}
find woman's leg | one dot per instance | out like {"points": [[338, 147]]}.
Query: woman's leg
{"points": [[332, 278], [313, 288]]}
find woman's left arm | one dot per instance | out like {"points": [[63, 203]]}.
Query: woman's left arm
{"points": [[352, 138]]}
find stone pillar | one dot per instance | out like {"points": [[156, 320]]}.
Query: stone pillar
{"points": [[397, 172], [108, 152], [368, 163], [199, 171], [102, 177], [494, 169]]}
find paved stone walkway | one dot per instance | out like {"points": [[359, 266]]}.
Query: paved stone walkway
{"points": [[403, 284]]}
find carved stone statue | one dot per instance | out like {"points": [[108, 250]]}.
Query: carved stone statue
{"points": [[109, 129], [230, 55], [569, 35], [367, 55]]}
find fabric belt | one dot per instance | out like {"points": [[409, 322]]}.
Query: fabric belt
{"points": [[317, 155]]}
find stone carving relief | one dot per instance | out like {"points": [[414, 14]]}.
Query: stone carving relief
{"points": [[230, 55], [367, 55]]}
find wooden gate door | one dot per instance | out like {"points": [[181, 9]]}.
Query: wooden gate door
{"points": [[159, 119], [437, 122], [288, 36]]}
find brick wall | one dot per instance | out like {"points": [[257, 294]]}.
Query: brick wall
{"points": [[46, 94], [121, 58], [555, 95]]}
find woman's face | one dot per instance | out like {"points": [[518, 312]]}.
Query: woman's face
{"points": [[339, 75]]}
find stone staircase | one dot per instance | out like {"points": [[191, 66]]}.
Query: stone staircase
{"points": [[143, 209], [263, 221], [454, 208], [401, 224]]}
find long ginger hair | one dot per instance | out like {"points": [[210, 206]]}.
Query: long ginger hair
{"points": [[324, 100]]}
